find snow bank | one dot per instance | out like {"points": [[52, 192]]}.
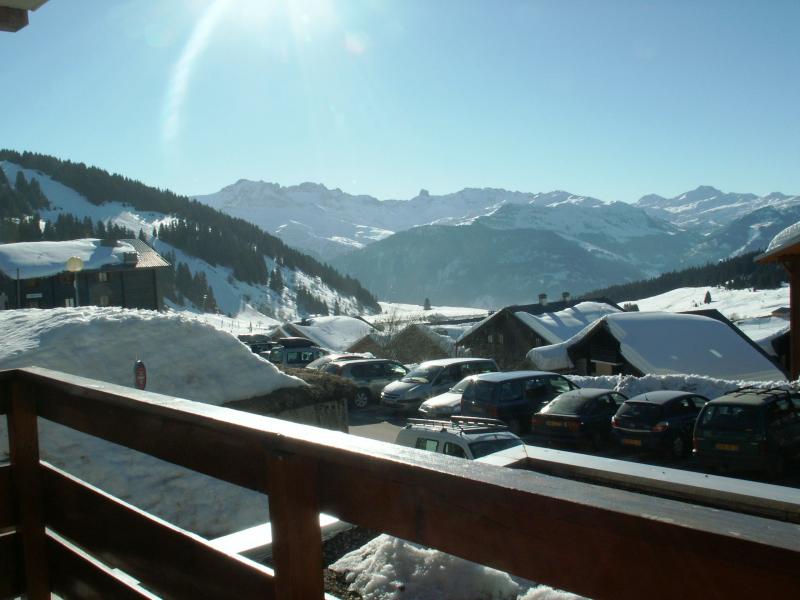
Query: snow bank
{"points": [[705, 386], [387, 568], [184, 357], [43, 259]]}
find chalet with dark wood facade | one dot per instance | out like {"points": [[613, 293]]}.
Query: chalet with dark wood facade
{"points": [[508, 334], [656, 343], [126, 273]]}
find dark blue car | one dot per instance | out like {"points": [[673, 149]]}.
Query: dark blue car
{"points": [[580, 416], [660, 421]]}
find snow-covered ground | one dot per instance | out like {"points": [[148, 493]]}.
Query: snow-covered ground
{"points": [[734, 304], [184, 357], [392, 311]]}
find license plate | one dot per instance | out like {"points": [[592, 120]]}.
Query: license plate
{"points": [[554, 424], [727, 447], [630, 442]]}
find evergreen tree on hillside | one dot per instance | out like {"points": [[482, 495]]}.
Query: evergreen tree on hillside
{"points": [[707, 299]]}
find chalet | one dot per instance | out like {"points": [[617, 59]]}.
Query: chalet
{"points": [[656, 343], [126, 273], [336, 333], [785, 249], [509, 333], [417, 343], [373, 343]]}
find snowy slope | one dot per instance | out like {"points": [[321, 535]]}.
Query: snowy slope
{"points": [[734, 304], [184, 358], [231, 294]]}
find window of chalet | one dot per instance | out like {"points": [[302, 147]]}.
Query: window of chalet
{"points": [[102, 277], [104, 300], [69, 302]]}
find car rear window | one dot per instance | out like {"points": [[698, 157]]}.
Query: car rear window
{"points": [[728, 417], [643, 411], [566, 405], [484, 392], [485, 447]]}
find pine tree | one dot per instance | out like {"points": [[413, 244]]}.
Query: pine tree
{"points": [[427, 305], [707, 299]]}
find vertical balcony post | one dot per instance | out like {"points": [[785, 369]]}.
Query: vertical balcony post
{"points": [[296, 536], [23, 441]]}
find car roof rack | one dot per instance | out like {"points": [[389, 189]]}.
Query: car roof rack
{"points": [[463, 424], [751, 389]]}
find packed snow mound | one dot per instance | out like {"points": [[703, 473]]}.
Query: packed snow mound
{"points": [[705, 386], [44, 259], [183, 356], [335, 333], [387, 568]]}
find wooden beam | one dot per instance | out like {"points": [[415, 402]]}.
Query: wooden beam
{"points": [[75, 574], [11, 580], [793, 266], [23, 442], [165, 559], [8, 514], [296, 534], [12, 19]]}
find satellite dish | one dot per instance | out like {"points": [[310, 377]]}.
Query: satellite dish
{"points": [[74, 264]]}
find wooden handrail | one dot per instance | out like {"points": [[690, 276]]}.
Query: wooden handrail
{"points": [[563, 533]]}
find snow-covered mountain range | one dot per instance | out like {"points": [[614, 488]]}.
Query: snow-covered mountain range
{"points": [[506, 246]]}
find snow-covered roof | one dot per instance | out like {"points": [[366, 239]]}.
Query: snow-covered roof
{"points": [[444, 342], [184, 357], [667, 343], [558, 326], [335, 333], [43, 259], [784, 240]]}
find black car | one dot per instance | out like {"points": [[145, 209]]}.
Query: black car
{"points": [[512, 396], [579, 416], [749, 430], [660, 421]]}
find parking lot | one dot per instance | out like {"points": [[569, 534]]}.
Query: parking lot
{"points": [[379, 423]]}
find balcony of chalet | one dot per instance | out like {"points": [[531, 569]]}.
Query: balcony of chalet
{"points": [[60, 535]]}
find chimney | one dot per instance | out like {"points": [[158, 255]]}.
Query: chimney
{"points": [[565, 296], [543, 299]]}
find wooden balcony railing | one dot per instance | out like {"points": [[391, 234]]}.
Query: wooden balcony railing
{"points": [[59, 534]]}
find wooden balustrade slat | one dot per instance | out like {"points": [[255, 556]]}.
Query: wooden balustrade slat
{"points": [[8, 515], [165, 559], [74, 574], [296, 535], [11, 581], [23, 443]]}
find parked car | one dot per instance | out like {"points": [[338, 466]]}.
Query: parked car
{"points": [[749, 430], [660, 421], [446, 404], [371, 375], [293, 356], [431, 378], [324, 360], [512, 396], [464, 437], [578, 416]]}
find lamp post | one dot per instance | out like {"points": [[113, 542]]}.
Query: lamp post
{"points": [[74, 266]]}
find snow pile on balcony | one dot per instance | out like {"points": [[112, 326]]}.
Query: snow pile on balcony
{"points": [[43, 259], [388, 568], [184, 357]]}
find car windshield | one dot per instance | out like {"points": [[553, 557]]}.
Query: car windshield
{"points": [[726, 417], [567, 405], [485, 447], [422, 374], [642, 411], [460, 386]]}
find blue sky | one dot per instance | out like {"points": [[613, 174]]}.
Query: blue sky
{"points": [[611, 99]]}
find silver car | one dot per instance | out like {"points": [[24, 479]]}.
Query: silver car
{"points": [[371, 375]]}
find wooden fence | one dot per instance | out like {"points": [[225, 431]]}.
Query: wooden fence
{"points": [[60, 534]]}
